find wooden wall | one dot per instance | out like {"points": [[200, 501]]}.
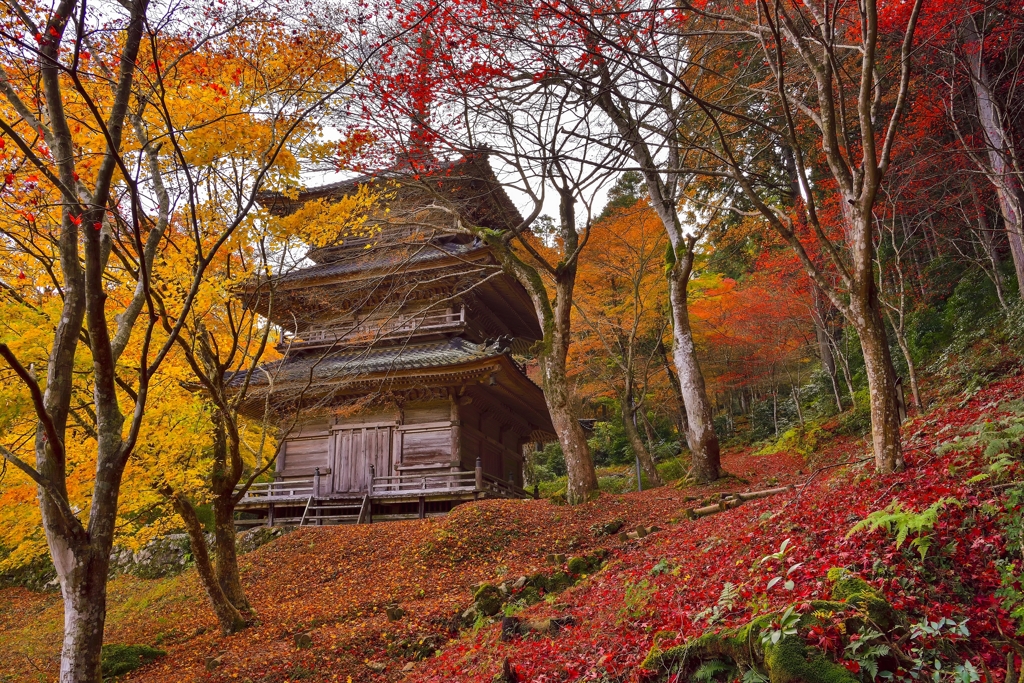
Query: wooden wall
{"points": [[305, 449], [497, 446], [418, 439]]}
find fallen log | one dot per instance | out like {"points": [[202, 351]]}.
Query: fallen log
{"points": [[734, 501], [754, 495]]}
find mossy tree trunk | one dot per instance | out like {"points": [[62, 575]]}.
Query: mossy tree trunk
{"points": [[228, 615], [664, 183], [221, 578], [553, 310]]}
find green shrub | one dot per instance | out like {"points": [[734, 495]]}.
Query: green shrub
{"points": [[546, 465], [858, 420], [803, 440], [673, 469], [117, 659]]}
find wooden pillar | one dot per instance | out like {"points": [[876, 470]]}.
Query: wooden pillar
{"points": [[369, 496], [479, 474], [270, 514], [455, 417], [316, 494], [423, 507], [282, 451]]}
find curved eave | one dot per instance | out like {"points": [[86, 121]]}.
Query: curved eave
{"points": [[510, 384]]}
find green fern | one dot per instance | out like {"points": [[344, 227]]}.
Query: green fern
{"points": [[711, 668], [903, 522], [752, 675], [726, 602], [1001, 441]]}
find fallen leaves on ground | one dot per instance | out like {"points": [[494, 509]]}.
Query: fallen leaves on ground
{"points": [[334, 583]]}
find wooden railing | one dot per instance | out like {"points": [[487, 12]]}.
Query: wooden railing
{"points": [[423, 484], [504, 488], [444, 482], [399, 325], [399, 485], [277, 490]]}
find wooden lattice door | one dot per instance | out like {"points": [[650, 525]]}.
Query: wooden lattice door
{"points": [[355, 449]]}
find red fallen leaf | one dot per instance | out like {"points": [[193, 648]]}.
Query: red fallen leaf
{"points": [[853, 666], [21, 275], [9, 179]]}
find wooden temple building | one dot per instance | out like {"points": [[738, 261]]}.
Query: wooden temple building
{"points": [[397, 394]]}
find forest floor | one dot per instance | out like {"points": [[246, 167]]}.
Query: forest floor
{"points": [[335, 583]]}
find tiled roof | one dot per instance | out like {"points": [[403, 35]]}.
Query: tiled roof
{"points": [[369, 260], [349, 364]]}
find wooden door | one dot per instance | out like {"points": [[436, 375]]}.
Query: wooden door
{"points": [[355, 450]]}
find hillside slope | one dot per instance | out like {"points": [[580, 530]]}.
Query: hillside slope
{"points": [[335, 583]]}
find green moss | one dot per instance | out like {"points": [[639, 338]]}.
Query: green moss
{"points": [[654, 659], [558, 582], [788, 661], [578, 565], [836, 573], [732, 644], [530, 595], [596, 559], [670, 257], [791, 660], [847, 587], [488, 600], [858, 593], [538, 581], [117, 659]]}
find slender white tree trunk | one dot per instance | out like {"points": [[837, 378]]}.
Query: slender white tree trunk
{"points": [[1000, 171], [700, 430]]}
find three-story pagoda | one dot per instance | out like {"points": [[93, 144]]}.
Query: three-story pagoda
{"points": [[397, 393]]}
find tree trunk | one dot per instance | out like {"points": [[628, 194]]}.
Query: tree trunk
{"points": [[225, 475], [1000, 173], [635, 442], [648, 431], [989, 243], [828, 361], [83, 583], [885, 421], [679, 414], [821, 332], [775, 410], [901, 339], [227, 552], [700, 432], [230, 619], [582, 480], [844, 367], [796, 402]]}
